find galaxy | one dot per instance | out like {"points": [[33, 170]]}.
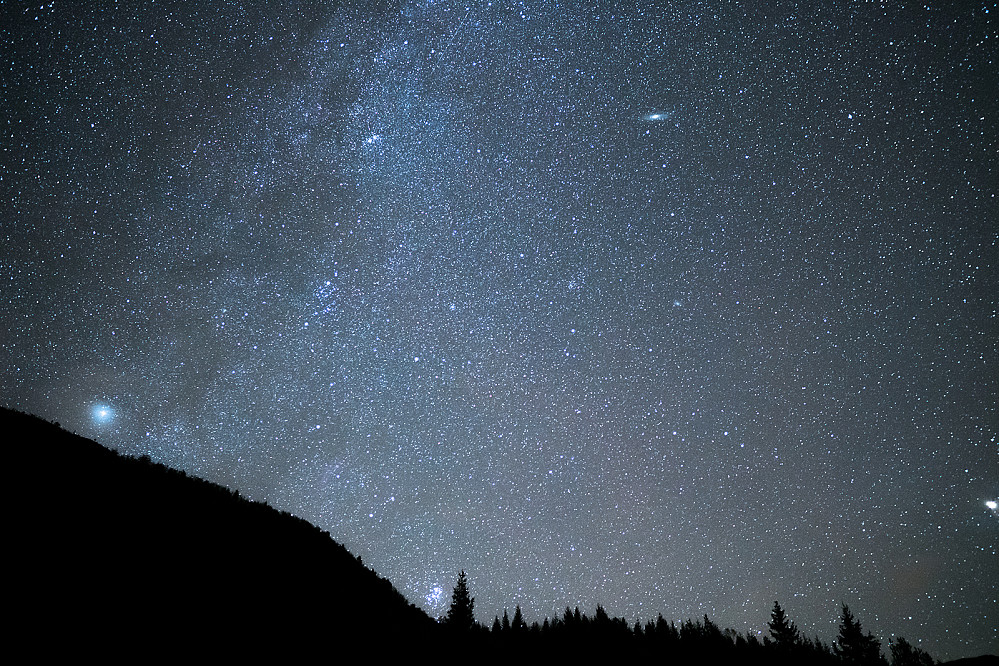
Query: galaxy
{"points": [[676, 308]]}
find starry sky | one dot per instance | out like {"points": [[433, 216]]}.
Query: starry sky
{"points": [[678, 307]]}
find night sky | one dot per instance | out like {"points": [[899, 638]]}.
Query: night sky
{"points": [[672, 307]]}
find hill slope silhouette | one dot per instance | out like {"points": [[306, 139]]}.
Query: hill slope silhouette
{"points": [[118, 553], [128, 559]]}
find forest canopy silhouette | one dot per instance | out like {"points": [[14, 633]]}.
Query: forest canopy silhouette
{"points": [[124, 553]]}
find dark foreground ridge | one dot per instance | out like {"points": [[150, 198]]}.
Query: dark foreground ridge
{"points": [[113, 553], [129, 559]]}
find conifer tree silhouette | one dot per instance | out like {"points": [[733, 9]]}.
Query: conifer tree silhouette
{"points": [[518, 620], [853, 646], [904, 653], [461, 614], [783, 631]]}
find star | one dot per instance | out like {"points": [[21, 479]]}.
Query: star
{"points": [[522, 275], [102, 414]]}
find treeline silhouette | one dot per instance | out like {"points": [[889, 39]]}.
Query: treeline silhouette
{"points": [[579, 636], [129, 559]]}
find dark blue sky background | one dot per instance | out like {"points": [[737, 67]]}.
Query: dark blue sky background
{"points": [[673, 307]]}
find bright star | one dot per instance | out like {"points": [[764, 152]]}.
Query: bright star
{"points": [[992, 504], [102, 414]]}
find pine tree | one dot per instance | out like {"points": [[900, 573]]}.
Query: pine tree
{"points": [[713, 633], [784, 633], [601, 618], [461, 614], [518, 620], [904, 653], [853, 646]]}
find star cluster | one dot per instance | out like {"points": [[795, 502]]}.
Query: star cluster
{"points": [[677, 309]]}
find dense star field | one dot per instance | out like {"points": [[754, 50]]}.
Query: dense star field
{"points": [[672, 307]]}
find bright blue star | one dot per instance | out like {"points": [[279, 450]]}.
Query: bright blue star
{"points": [[102, 414]]}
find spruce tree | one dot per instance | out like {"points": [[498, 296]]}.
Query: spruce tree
{"points": [[855, 647], [784, 633], [904, 653], [518, 620], [461, 614]]}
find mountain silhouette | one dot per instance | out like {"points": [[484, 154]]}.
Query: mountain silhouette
{"points": [[121, 556], [124, 558]]}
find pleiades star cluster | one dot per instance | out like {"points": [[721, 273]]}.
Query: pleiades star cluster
{"points": [[678, 307]]}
